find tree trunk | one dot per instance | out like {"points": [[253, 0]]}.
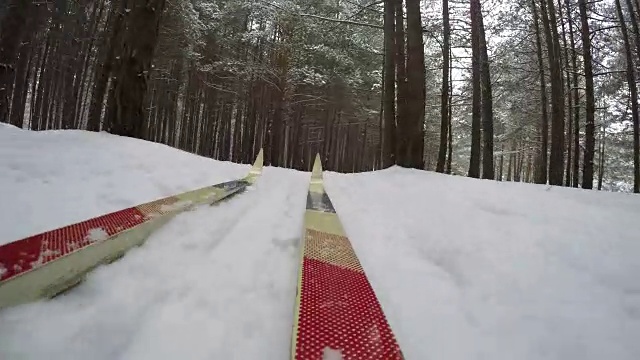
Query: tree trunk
{"points": [[576, 104], [501, 166], [389, 92], [634, 98], [587, 167], [603, 135], [106, 58], [21, 85], [476, 109], [38, 93], [569, 143], [444, 96], [12, 29], [488, 170], [556, 163], [403, 121], [512, 157], [449, 120], [541, 175], [416, 73], [134, 67]]}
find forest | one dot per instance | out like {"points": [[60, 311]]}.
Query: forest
{"points": [[537, 91]]}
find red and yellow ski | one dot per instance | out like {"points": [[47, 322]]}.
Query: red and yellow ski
{"points": [[46, 264], [337, 312]]}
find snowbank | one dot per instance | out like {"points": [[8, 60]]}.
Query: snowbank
{"points": [[464, 269], [54, 178], [471, 269]]}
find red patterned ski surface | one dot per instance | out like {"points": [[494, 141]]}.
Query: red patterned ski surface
{"points": [[338, 314], [22, 256]]}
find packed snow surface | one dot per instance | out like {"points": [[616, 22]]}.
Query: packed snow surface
{"points": [[464, 269]]}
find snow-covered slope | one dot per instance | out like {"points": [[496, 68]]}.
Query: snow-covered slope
{"points": [[470, 269], [54, 178], [464, 269]]}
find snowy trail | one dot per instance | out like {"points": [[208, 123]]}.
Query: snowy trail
{"points": [[464, 269], [214, 283]]}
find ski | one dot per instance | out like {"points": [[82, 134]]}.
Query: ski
{"points": [[49, 263], [337, 313]]}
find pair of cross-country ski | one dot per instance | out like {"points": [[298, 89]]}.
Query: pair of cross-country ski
{"points": [[337, 314]]}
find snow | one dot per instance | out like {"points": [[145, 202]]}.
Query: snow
{"points": [[54, 178], [463, 268], [176, 206], [97, 234], [331, 354], [214, 283], [471, 269]]}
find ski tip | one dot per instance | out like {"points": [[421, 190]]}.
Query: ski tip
{"points": [[257, 165], [316, 174], [256, 169]]}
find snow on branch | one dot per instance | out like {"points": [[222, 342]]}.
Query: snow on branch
{"points": [[349, 22]]}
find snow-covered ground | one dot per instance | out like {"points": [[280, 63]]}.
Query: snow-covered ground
{"points": [[55, 178], [464, 269]]}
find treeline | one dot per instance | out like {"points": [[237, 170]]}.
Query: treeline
{"points": [[549, 79], [368, 84], [216, 78]]}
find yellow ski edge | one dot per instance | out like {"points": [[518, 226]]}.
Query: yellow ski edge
{"points": [[256, 169], [315, 184]]}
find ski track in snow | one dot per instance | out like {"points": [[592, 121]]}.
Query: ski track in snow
{"points": [[214, 283]]}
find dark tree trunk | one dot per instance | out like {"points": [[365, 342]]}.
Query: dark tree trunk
{"points": [[636, 124], [38, 93], [488, 170], [71, 76], [634, 25], [133, 69], [37, 69], [512, 158], [444, 95], [237, 130], [556, 163], [21, 86], [501, 166], [403, 121], [633, 92], [12, 29], [107, 59], [48, 81], [603, 135], [587, 167], [389, 92], [517, 171], [569, 143], [576, 104], [449, 121], [476, 107], [85, 74], [416, 73], [541, 174]]}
